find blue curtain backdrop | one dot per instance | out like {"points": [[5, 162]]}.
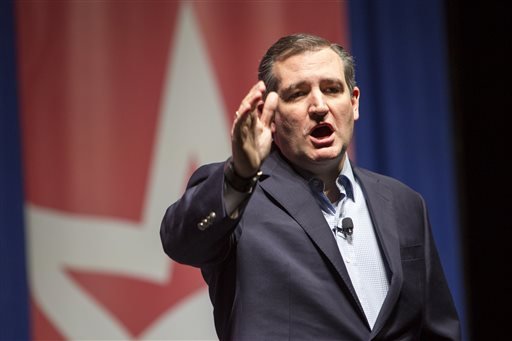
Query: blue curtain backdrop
{"points": [[13, 283], [405, 127]]}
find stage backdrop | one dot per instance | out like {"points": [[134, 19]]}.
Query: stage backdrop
{"points": [[406, 126], [118, 102]]}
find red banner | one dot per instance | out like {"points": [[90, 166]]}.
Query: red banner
{"points": [[120, 101]]}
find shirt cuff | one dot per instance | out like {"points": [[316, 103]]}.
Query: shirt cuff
{"points": [[234, 200]]}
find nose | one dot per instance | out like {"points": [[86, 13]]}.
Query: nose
{"points": [[317, 105]]}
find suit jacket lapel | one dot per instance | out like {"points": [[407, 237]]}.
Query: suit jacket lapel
{"points": [[380, 205], [292, 192]]}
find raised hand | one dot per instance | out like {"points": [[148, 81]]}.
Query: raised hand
{"points": [[251, 134]]}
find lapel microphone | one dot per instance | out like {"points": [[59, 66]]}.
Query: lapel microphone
{"points": [[347, 227]]}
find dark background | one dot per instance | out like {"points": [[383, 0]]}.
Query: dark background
{"points": [[478, 36]]}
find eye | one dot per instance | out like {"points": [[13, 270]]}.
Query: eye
{"points": [[332, 90], [295, 95]]}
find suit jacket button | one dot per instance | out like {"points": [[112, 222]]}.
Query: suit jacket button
{"points": [[206, 222], [201, 226]]}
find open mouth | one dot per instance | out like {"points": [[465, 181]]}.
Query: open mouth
{"points": [[322, 130]]}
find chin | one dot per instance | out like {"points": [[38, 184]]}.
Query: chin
{"points": [[326, 154]]}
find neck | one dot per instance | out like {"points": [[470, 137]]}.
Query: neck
{"points": [[329, 175], [327, 172], [332, 193]]}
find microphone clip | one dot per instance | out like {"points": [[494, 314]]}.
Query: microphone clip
{"points": [[347, 227]]}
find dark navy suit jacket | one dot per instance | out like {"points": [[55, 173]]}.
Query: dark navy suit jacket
{"points": [[276, 273]]}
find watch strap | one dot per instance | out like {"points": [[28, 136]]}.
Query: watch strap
{"points": [[241, 184]]}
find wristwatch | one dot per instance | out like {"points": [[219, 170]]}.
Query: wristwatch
{"points": [[241, 184]]}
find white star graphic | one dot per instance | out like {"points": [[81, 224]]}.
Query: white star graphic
{"points": [[192, 125]]}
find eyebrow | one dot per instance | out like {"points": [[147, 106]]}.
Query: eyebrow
{"points": [[291, 87], [294, 86], [332, 81]]}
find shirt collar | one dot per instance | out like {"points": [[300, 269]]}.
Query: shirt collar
{"points": [[345, 181]]}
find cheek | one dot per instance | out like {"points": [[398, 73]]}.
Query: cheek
{"points": [[280, 124], [288, 125], [287, 129]]}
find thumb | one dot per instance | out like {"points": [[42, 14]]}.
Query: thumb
{"points": [[269, 108]]}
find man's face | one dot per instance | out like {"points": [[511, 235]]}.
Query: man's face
{"points": [[314, 121]]}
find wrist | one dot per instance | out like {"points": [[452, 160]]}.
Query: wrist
{"points": [[237, 182]]}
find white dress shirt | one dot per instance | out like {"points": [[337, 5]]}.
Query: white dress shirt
{"points": [[360, 251]]}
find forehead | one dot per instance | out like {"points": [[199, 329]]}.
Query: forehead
{"points": [[309, 67]]}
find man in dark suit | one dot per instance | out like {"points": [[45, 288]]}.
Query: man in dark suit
{"points": [[294, 241]]}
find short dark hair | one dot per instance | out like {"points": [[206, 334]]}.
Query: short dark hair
{"points": [[294, 44]]}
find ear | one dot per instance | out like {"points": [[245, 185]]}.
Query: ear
{"points": [[355, 102]]}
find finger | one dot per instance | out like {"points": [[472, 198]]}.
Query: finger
{"points": [[252, 98], [269, 108]]}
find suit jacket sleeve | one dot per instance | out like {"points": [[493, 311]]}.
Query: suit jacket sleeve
{"points": [[183, 239]]}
